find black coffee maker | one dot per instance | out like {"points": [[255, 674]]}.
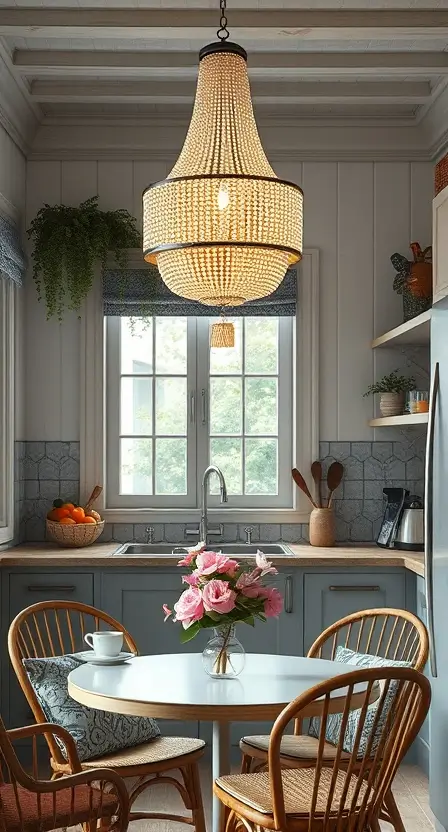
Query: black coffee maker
{"points": [[396, 498]]}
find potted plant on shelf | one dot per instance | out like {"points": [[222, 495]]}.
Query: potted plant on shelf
{"points": [[69, 242], [414, 280], [392, 389], [221, 593]]}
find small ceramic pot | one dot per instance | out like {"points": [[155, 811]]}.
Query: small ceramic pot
{"points": [[391, 404], [322, 527]]}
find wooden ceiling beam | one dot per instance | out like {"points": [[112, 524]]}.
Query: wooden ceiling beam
{"points": [[43, 22], [85, 90], [291, 64]]}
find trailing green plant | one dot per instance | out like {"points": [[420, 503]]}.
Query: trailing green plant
{"points": [[68, 243], [392, 383]]}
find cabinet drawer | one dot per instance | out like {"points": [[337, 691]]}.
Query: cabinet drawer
{"points": [[30, 588], [329, 597], [27, 588]]}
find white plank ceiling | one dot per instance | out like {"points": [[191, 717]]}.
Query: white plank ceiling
{"points": [[379, 58]]}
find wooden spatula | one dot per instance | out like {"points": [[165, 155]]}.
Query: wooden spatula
{"points": [[93, 497], [334, 478], [300, 482], [316, 473]]}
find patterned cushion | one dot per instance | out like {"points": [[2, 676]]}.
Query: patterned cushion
{"points": [[95, 733], [334, 721]]}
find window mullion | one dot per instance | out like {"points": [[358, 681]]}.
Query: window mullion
{"points": [[153, 415], [202, 383]]}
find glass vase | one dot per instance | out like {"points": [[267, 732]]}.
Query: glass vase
{"points": [[224, 656]]}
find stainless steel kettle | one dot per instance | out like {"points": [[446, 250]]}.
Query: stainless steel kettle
{"points": [[411, 531]]}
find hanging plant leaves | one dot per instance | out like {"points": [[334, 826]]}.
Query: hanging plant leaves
{"points": [[69, 242]]}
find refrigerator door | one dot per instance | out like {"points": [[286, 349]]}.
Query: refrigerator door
{"points": [[438, 572]]}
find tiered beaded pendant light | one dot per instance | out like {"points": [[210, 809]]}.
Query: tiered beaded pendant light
{"points": [[222, 228]]}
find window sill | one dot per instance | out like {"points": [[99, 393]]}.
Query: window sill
{"points": [[191, 516]]}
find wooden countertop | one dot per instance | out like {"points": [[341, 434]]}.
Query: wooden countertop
{"points": [[49, 554]]}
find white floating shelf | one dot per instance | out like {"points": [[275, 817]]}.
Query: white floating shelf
{"points": [[405, 419], [415, 332]]}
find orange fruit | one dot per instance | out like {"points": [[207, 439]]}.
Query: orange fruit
{"points": [[67, 521], [60, 513], [78, 514], [94, 514], [70, 506], [89, 520]]}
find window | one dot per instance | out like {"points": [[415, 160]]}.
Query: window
{"points": [[7, 313], [174, 405]]}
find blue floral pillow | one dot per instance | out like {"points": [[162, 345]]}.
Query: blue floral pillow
{"points": [[96, 733], [334, 721]]}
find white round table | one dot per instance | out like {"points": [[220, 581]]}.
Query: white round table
{"points": [[176, 686]]}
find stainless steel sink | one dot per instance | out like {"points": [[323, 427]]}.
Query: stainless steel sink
{"points": [[166, 549]]}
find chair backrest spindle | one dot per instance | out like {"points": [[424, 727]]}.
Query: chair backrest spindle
{"points": [[393, 634]]}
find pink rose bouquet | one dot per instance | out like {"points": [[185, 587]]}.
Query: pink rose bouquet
{"points": [[222, 591]]}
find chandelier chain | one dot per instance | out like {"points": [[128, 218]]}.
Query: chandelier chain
{"points": [[223, 32]]}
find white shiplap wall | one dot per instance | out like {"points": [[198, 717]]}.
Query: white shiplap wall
{"points": [[356, 213], [12, 206]]}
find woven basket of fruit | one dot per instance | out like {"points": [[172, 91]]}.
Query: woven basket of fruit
{"points": [[72, 525]]}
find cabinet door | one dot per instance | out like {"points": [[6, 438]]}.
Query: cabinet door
{"points": [[279, 636], [136, 600], [25, 589], [331, 596], [440, 245]]}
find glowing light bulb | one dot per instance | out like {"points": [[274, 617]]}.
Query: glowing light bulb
{"points": [[223, 198]]}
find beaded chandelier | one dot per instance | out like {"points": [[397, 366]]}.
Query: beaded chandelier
{"points": [[222, 228]]}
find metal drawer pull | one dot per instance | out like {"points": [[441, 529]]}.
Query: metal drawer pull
{"points": [[288, 595], [354, 588], [50, 588]]}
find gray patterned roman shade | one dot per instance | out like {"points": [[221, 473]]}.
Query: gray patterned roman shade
{"points": [[136, 292], [12, 258]]}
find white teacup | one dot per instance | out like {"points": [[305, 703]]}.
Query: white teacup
{"points": [[105, 643]]}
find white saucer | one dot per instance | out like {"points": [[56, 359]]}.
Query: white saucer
{"points": [[91, 658]]}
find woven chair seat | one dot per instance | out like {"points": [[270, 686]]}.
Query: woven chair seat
{"points": [[254, 790], [156, 751], [299, 747], [68, 808]]}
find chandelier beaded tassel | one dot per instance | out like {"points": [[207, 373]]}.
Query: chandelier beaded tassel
{"points": [[222, 228]]}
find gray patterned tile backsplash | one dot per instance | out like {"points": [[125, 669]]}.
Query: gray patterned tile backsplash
{"points": [[45, 470]]}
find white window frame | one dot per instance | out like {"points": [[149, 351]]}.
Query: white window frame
{"points": [[7, 417], [305, 407]]}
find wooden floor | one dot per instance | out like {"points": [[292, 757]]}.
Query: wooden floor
{"points": [[411, 793]]}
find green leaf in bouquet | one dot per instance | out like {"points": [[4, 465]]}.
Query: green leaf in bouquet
{"points": [[189, 633]]}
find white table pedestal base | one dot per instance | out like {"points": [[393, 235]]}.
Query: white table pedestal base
{"points": [[220, 765]]}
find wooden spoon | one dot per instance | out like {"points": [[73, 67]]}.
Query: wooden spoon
{"points": [[316, 473], [300, 482], [93, 497], [334, 477]]}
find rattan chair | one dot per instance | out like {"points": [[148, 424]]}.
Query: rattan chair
{"points": [[52, 628], [393, 634], [96, 798], [346, 793]]}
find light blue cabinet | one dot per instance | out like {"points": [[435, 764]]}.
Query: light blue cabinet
{"points": [[314, 599], [329, 596], [20, 590]]}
